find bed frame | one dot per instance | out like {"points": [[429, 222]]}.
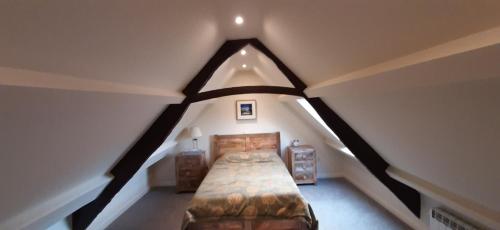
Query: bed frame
{"points": [[244, 143]]}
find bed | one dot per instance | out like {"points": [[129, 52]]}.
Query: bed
{"points": [[248, 187]]}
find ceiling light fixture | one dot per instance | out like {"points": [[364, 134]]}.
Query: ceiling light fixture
{"points": [[243, 52], [244, 66], [239, 20]]}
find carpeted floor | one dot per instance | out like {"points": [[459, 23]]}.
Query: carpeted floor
{"points": [[336, 203]]}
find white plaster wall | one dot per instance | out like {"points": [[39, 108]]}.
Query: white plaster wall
{"points": [[54, 140], [161, 173], [445, 134], [64, 224], [358, 175], [436, 121], [133, 190], [272, 115]]}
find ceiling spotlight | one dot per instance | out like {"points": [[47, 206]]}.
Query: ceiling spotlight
{"points": [[239, 20], [243, 52], [244, 66]]}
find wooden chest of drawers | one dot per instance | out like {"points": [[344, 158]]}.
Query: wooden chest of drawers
{"points": [[302, 163], [190, 169]]}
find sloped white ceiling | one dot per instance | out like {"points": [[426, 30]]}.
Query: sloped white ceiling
{"points": [[441, 133], [252, 60], [151, 43], [325, 39], [165, 43], [438, 120], [53, 140]]}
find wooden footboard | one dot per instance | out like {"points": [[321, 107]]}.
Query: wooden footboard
{"points": [[258, 224], [249, 225], [315, 222]]}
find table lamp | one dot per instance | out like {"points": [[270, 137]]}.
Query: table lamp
{"points": [[195, 134]]}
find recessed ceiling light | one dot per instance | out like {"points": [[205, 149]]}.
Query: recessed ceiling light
{"points": [[239, 20], [244, 66], [243, 52]]}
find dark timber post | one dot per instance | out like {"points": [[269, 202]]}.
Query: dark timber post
{"points": [[161, 128]]}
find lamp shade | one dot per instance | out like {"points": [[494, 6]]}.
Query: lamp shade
{"points": [[195, 132]]}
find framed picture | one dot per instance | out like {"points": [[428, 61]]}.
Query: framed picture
{"points": [[246, 110]]}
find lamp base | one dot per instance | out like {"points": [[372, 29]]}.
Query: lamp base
{"points": [[195, 144]]}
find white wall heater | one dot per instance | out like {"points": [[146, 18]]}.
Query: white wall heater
{"points": [[442, 220]]}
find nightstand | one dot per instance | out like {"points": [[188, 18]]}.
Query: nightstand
{"points": [[301, 162], [190, 169]]}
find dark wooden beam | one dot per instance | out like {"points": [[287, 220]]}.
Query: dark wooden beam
{"points": [[225, 51], [168, 119], [290, 75], [131, 162], [366, 154], [244, 90], [358, 146]]}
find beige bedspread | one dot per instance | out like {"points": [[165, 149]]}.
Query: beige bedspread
{"points": [[247, 186]]}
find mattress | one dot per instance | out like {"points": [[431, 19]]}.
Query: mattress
{"points": [[250, 186]]}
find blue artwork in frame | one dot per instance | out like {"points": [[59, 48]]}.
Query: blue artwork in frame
{"points": [[246, 110]]}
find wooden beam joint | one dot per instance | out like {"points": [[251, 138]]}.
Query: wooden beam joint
{"points": [[161, 128]]}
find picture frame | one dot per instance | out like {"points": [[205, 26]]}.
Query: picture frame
{"points": [[246, 109]]}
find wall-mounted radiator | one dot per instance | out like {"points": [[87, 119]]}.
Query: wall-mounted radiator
{"points": [[442, 220]]}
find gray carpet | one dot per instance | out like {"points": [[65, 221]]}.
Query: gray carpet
{"points": [[336, 203]]}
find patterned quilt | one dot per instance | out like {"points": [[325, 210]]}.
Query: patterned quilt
{"points": [[247, 186]]}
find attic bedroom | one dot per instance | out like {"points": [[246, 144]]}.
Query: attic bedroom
{"points": [[249, 114]]}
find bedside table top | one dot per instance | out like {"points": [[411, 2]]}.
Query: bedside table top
{"points": [[192, 152], [301, 147]]}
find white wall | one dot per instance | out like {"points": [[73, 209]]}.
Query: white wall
{"points": [[54, 140], [445, 132], [64, 224], [438, 121], [272, 115], [133, 190], [358, 175], [161, 173]]}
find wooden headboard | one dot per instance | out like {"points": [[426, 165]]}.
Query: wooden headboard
{"points": [[246, 142]]}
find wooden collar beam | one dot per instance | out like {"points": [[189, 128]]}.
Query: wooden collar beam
{"points": [[244, 90], [161, 128]]}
